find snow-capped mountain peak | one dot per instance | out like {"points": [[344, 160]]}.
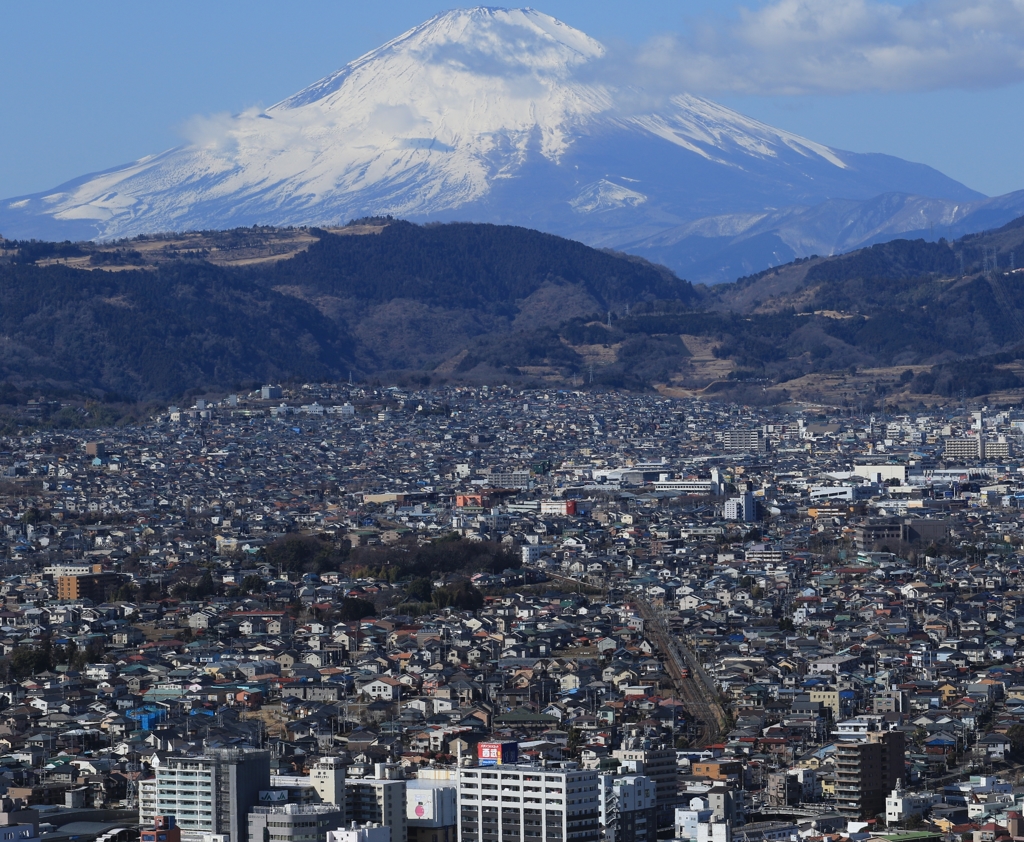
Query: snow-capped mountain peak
{"points": [[483, 40], [490, 114]]}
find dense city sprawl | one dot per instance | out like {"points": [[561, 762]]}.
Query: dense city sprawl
{"points": [[335, 613]]}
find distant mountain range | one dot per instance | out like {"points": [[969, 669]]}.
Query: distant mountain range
{"points": [[508, 116], [154, 317]]}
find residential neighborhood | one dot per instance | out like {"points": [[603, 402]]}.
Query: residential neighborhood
{"points": [[339, 612]]}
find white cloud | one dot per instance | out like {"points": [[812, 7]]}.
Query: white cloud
{"points": [[210, 131], [837, 46]]}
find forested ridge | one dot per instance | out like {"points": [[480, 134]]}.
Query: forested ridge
{"points": [[151, 318], [470, 266], [146, 334], [181, 322]]}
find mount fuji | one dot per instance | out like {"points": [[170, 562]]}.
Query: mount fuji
{"points": [[510, 116]]}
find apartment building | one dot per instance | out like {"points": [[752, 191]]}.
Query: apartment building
{"points": [[744, 441], [867, 771], [209, 794], [628, 808], [658, 764], [506, 803]]}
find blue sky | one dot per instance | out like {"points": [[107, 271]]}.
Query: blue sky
{"points": [[90, 85]]}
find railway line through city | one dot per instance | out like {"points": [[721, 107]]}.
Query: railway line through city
{"points": [[694, 686]]}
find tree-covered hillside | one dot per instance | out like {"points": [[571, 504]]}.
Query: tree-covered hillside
{"points": [[146, 333], [466, 266], [150, 319], [154, 317]]}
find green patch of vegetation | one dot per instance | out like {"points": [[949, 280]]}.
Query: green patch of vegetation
{"points": [[353, 608], [449, 555], [296, 554]]}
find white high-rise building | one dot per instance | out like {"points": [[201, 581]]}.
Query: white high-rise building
{"points": [[506, 803], [208, 795], [742, 508], [658, 764]]}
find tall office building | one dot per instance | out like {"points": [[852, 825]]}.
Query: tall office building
{"points": [[628, 808], [211, 794], [867, 771], [506, 803], [658, 764]]}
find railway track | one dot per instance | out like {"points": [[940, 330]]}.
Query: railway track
{"points": [[692, 683]]}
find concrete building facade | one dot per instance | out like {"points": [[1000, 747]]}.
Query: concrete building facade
{"points": [[506, 803], [658, 764], [377, 801], [866, 771], [628, 808], [210, 794], [294, 822]]}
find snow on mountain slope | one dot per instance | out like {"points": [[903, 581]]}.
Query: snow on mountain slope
{"points": [[485, 114], [734, 245], [701, 126]]}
